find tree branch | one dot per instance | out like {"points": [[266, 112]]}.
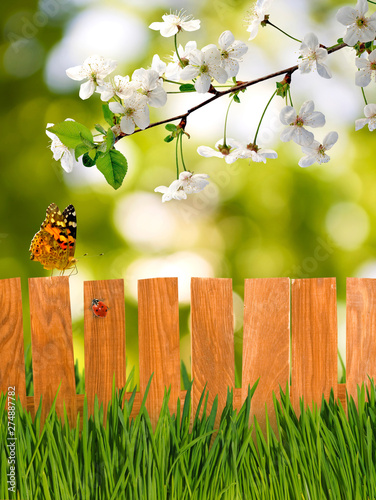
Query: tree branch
{"points": [[239, 86]]}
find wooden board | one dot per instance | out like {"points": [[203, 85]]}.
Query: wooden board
{"points": [[104, 341], [12, 365], [213, 359], [313, 339], [360, 332], [51, 341], [266, 342], [158, 331]]}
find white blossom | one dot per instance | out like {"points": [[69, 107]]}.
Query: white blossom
{"points": [[94, 70], [175, 68], [186, 184], [231, 52], [119, 85], [158, 65], [173, 23], [359, 27], [148, 83], [316, 152], [204, 65], [134, 111], [297, 121], [260, 10], [370, 120], [61, 151], [367, 69], [254, 153], [312, 55], [227, 152]]}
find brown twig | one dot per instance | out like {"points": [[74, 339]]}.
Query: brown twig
{"points": [[239, 86]]}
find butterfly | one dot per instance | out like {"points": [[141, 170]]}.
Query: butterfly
{"points": [[54, 244]]}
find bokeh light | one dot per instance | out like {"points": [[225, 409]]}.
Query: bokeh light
{"points": [[253, 220]]}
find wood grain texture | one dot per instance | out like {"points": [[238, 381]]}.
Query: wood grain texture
{"points": [[360, 332], [104, 341], [137, 401], [266, 342], [213, 360], [12, 365], [52, 346], [158, 338], [313, 339]]}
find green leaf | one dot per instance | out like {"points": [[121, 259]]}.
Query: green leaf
{"points": [[108, 115], [110, 139], [80, 150], [102, 147], [236, 99], [92, 154], [100, 129], [171, 127], [87, 161], [168, 138], [187, 87], [71, 133], [87, 143], [113, 166]]}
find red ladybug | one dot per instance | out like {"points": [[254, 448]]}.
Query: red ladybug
{"points": [[99, 308]]}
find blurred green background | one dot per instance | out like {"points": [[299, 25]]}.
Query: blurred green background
{"points": [[254, 220]]}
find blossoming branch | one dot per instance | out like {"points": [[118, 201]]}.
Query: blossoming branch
{"points": [[126, 100]]}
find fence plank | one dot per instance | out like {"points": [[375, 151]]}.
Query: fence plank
{"points": [[52, 347], [158, 330], [213, 360], [266, 342], [313, 339], [360, 332], [12, 366], [104, 341]]}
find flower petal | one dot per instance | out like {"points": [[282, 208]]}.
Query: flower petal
{"points": [[192, 25], [302, 136], [68, 160], [208, 152], [287, 134], [362, 78], [156, 26], [360, 123], [311, 41], [127, 125], [369, 110], [362, 7], [226, 39], [307, 161], [76, 73], [306, 109], [168, 30], [219, 74], [287, 115], [202, 83], [189, 72], [329, 140], [141, 117], [346, 15], [316, 119], [87, 89], [116, 107], [323, 70]]}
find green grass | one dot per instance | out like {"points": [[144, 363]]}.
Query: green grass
{"points": [[323, 454]]}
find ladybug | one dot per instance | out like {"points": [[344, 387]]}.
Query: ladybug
{"points": [[99, 308]]}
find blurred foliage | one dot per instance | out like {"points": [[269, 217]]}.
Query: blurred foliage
{"points": [[255, 221]]}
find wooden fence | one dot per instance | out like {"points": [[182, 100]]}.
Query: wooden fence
{"points": [[278, 315]]}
